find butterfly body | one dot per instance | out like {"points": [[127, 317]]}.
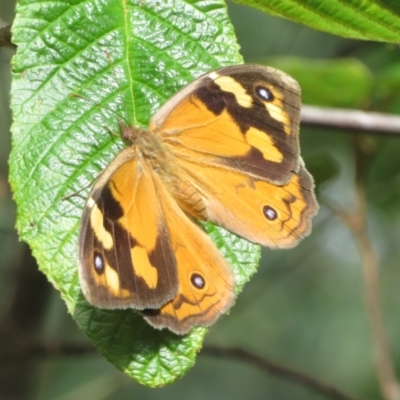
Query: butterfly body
{"points": [[224, 149]]}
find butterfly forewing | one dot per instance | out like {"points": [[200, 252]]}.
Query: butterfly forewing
{"points": [[126, 258], [243, 117]]}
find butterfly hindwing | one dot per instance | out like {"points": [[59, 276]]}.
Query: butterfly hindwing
{"points": [[206, 281], [260, 211]]}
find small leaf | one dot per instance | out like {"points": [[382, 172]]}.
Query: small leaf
{"points": [[81, 66], [367, 19]]}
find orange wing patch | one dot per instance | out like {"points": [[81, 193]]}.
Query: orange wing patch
{"points": [[206, 281], [220, 138]]}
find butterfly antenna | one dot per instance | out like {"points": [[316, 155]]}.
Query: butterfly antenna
{"points": [[68, 196]]}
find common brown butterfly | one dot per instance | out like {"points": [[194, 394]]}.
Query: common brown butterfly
{"points": [[224, 149]]}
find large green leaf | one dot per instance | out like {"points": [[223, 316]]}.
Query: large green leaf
{"points": [[123, 57], [358, 19]]}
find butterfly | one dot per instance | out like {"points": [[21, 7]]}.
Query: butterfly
{"points": [[224, 149]]}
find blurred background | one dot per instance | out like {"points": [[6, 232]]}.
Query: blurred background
{"points": [[305, 307]]}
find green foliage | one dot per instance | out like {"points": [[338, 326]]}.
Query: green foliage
{"points": [[123, 59], [368, 19]]}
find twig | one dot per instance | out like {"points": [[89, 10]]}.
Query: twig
{"points": [[389, 385], [5, 37], [41, 351], [356, 221], [54, 350], [386, 374], [278, 370], [350, 120]]}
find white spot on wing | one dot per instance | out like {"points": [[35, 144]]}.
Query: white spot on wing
{"points": [[90, 203]]}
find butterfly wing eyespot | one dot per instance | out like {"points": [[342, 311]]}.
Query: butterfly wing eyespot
{"points": [[264, 93], [270, 213], [197, 280], [99, 263]]}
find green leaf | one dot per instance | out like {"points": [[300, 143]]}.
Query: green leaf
{"points": [[367, 19], [124, 58], [387, 89]]}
